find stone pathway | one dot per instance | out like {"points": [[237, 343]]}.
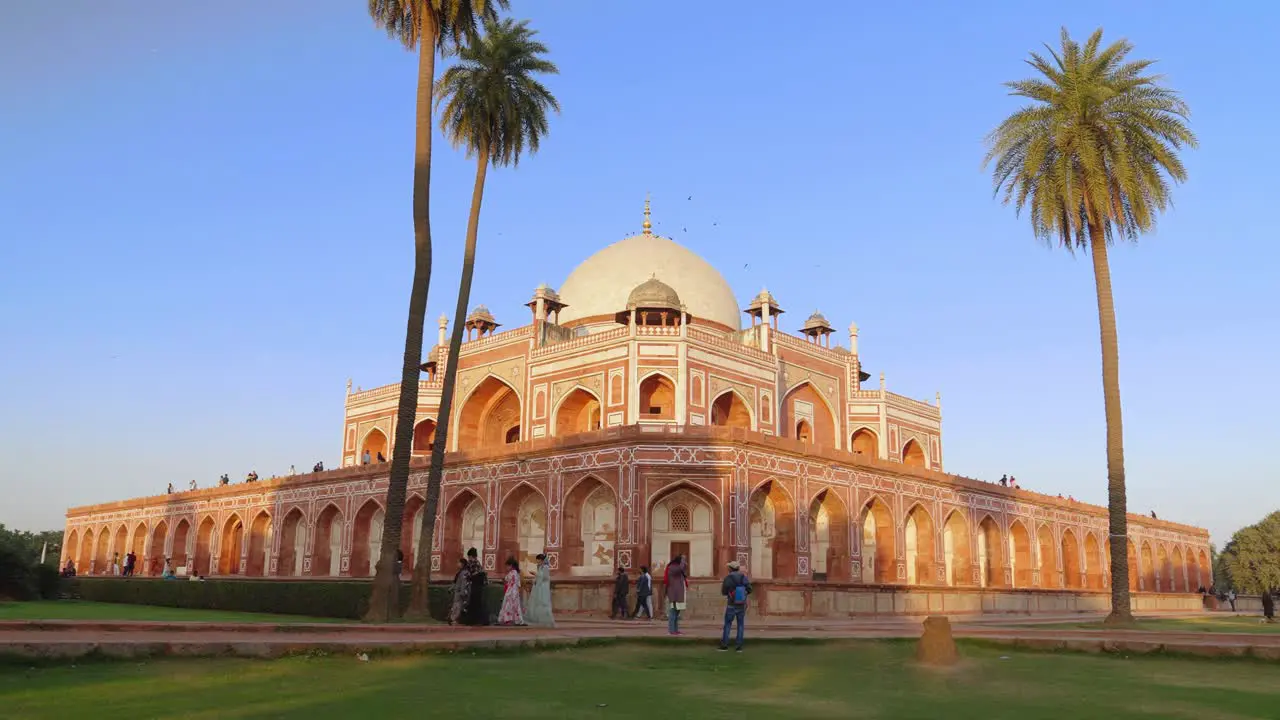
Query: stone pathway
{"points": [[72, 639]]}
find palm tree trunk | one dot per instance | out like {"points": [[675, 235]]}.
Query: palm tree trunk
{"points": [[1116, 503], [419, 602], [384, 602]]}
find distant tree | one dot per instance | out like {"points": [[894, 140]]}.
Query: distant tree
{"points": [[1250, 562], [429, 26], [494, 107], [1090, 158]]}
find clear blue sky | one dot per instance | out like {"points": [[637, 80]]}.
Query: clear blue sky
{"points": [[205, 228]]}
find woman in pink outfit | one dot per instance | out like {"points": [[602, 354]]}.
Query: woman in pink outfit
{"points": [[512, 613]]}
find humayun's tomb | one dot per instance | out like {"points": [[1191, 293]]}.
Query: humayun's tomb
{"points": [[635, 417]]}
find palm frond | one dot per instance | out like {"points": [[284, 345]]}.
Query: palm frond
{"points": [[1098, 145], [455, 20], [491, 100]]}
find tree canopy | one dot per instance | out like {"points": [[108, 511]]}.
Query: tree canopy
{"points": [[1251, 560], [1096, 146]]}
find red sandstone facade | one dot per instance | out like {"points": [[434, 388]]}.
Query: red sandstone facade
{"points": [[640, 427]]}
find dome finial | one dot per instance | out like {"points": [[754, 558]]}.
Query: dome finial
{"points": [[648, 226]]}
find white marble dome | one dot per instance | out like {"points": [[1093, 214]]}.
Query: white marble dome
{"points": [[601, 285]]}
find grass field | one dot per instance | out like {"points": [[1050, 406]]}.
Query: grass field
{"points": [[78, 610], [848, 680], [1220, 623]]}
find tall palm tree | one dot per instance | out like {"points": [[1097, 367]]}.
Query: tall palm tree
{"points": [[1090, 158], [495, 108], [430, 26]]}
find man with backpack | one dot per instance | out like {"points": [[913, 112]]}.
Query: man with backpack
{"points": [[735, 588]]}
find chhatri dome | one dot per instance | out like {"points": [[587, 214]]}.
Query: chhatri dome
{"points": [[601, 286]]}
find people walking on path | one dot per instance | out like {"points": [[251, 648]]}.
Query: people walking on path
{"points": [[735, 588], [512, 612], [1231, 598], [130, 562], [676, 580], [538, 612], [621, 588], [644, 594]]}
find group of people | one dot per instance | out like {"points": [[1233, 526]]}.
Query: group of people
{"points": [[252, 476], [1007, 480], [469, 608], [366, 458]]}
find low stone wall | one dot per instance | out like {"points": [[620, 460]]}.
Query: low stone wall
{"points": [[835, 600]]}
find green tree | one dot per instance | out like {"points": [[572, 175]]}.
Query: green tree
{"points": [[496, 109], [1251, 560], [429, 26], [1089, 158]]}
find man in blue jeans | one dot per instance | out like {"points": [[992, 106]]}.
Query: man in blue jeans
{"points": [[735, 588]]}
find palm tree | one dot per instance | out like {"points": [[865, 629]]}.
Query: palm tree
{"points": [[496, 109], [1090, 158], [430, 26]]}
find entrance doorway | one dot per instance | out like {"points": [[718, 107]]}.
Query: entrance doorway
{"points": [[680, 548]]}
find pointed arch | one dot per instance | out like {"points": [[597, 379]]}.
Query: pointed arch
{"points": [[684, 517], [138, 546], [258, 561], [411, 531], [1071, 574], [102, 552], [464, 528], [326, 553], [70, 548], [657, 396], [1047, 557], [1021, 559], [918, 536], [879, 552], [829, 536], [375, 443], [84, 560], [1093, 562], [865, 442], [913, 455], [424, 436], [579, 410], [522, 525], [1164, 569], [366, 538], [204, 546], [590, 518], [772, 518], [957, 559], [1177, 571], [119, 547], [293, 539], [491, 410], [181, 537], [802, 403], [231, 547], [990, 553], [155, 560], [731, 409]]}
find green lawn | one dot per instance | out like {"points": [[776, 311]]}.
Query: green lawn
{"points": [[1220, 623], [79, 610], [648, 680]]}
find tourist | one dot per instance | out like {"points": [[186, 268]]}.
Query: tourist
{"points": [[380, 458], [224, 480], [676, 580], [292, 472], [318, 467], [621, 587], [1231, 598], [538, 612], [476, 611], [194, 486], [1013, 482], [1004, 480], [170, 490], [366, 458], [644, 594], [115, 564], [461, 592], [735, 588], [69, 570], [251, 477], [195, 577], [511, 613], [1153, 515], [167, 573]]}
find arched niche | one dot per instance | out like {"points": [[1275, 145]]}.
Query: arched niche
{"points": [[490, 416], [657, 398], [829, 537], [231, 547], [1048, 557], [683, 520], [1021, 559], [590, 529], [913, 455], [293, 544], [375, 444], [990, 557], [366, 539], [326, 554], [204, 547], [523, 527], [730, 410], [424, 437], [864, 442], [464, 523], [957, 559], [918, 537], [804, 408], [259, 556], [578, 412], [878, 537], [1071, 575]]}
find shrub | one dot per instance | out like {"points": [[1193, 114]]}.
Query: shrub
{"points": [[17, 579], [318, 598]]}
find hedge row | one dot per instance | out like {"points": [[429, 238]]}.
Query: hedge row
{"points": [[317, 598]]}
